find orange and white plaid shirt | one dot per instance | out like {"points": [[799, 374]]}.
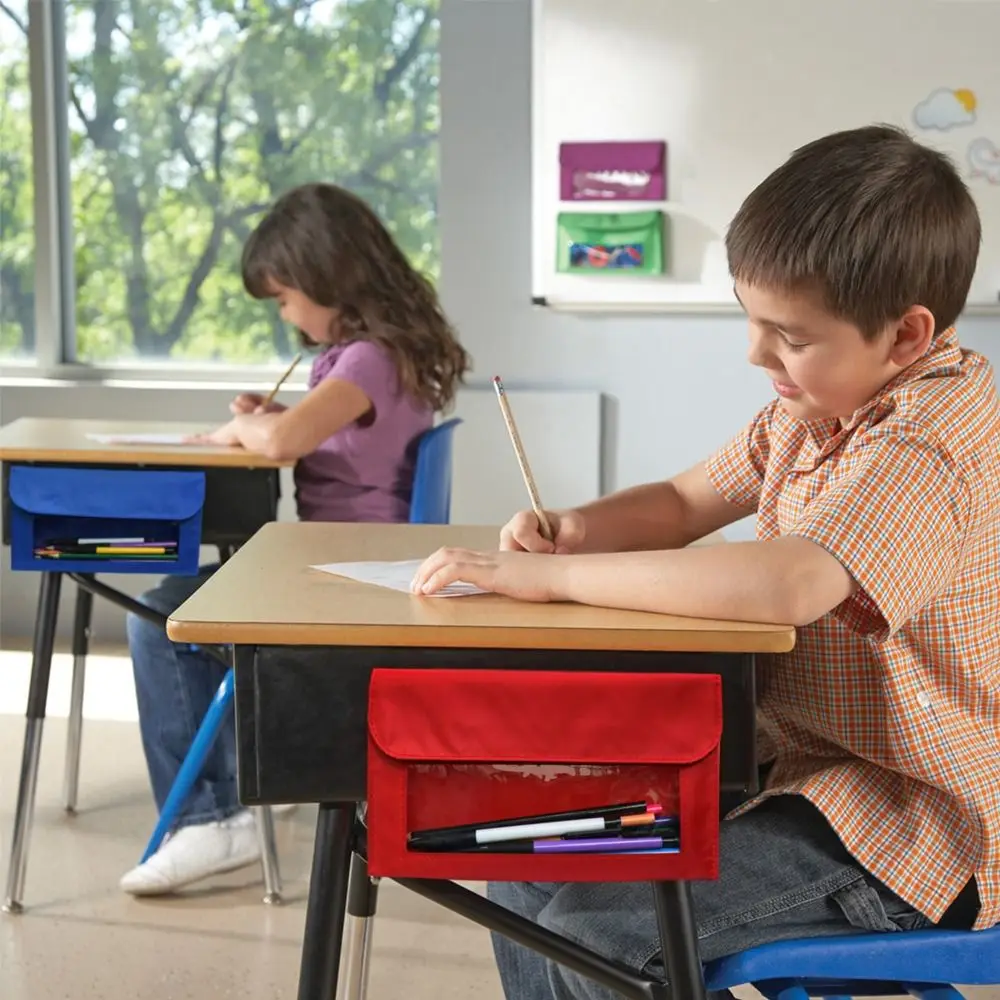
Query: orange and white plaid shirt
{"points": [[886, 715]]}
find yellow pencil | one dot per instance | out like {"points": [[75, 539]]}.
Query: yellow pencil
{"points": [[288, 371], [522, 461]]}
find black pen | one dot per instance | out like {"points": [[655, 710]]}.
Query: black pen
{"points": [[595, 812]]}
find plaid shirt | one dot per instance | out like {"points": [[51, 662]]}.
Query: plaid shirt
{"points": [[886, 715]]}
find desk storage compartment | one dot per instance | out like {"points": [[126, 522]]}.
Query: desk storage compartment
{"points": [[455, 747], [61, 504]]}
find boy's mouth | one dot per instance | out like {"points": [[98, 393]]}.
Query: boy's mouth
{"points": [[786, 389]]}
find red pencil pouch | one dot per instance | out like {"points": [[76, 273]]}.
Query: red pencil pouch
{"points": [[456, 747]]}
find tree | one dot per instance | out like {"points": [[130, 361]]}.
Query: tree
{"points": [[189, 117], [17, 266]]}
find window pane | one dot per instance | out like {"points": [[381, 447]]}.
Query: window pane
{"points": [[17, 231], [189, 117]]}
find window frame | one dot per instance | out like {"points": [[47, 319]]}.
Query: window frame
{"points": [[54, 358]]}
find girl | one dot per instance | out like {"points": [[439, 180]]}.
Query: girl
{"points": [[388, 360]]}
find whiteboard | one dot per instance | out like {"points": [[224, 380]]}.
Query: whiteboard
{"points": [[733, 86], [561, 434]]}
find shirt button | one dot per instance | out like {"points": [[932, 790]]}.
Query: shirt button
{"points": [[924, 699]]}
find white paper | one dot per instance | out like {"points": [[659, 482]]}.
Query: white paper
{"points": [[140, 439], [394, 576]]}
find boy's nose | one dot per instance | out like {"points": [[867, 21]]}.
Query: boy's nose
{"points": [[757, 353]]}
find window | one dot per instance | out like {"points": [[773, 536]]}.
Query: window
{"points": [[186, 119], [17, 240]]}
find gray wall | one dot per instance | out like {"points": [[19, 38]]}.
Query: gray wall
{"points": [[676, 387]]}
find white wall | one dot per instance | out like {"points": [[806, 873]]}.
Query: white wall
{"points": [[675, 388]]}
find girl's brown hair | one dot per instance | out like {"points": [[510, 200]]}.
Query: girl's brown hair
{"points": [[328, 244]]}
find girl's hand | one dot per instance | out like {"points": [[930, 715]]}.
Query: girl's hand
{"points": [[522, 533], [225, 435], [521, 575], [253, 402]]}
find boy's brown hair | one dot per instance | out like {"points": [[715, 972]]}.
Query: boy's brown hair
{"points": [[327, 243], [868, 219]]}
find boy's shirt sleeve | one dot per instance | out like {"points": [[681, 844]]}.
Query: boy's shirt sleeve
{"points": [[737, 470], [897, 519]]}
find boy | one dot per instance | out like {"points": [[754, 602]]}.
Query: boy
{"points": [[875, 477]]}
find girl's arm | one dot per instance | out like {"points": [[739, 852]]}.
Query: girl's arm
{"points": [[301, 429]]}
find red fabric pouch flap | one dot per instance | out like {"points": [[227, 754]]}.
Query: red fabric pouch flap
{"points": [[586, 718]]}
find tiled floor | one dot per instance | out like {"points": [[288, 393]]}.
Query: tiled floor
{"points": [[81, 939]]}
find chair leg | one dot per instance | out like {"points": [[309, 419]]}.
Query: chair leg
{"points": [[362, 900], [268, 854], [74, 729], [679, 939], [193, 763]]}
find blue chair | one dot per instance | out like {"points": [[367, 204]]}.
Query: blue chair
{"points": [[921, 963], [430, 503]]}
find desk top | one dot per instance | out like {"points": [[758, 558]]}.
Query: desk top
{"points": [[35, 439], [268, 595]]}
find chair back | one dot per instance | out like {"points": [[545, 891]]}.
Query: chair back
{"points": [[431, 499]]}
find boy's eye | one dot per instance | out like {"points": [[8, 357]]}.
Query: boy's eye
{"points": [[794, 345]]}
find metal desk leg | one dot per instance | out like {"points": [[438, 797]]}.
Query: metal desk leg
{"points": [[327, 902], [74, 729], [268, 854], [679, 940], [38, 693], [362, 900]]}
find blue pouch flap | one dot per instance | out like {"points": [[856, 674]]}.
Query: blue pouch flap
{"points": [[108, 493]]}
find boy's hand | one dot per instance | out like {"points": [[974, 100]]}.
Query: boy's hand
{"points": [[523, 534], [521, 575], [252, 402]]}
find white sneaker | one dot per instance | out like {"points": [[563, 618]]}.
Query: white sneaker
{"points": [[194, 853]]}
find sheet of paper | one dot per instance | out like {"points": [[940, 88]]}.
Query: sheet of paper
{"points": [[394, 575], [139, 439]]}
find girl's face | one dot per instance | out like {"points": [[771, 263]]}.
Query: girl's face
{"points": [[318, 323]]}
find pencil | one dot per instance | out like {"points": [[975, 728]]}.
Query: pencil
{"points": [[288, 371], [522, 461]]}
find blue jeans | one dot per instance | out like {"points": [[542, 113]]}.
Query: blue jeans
{"points": [[174, 686], [783, 874]]}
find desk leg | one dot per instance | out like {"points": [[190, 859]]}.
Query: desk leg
{"points": [[362, 901], [327, 902], [74, 730], [679, 940], [38, 693]]}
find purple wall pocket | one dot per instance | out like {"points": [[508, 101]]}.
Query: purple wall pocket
{"points": [[612, 171]]}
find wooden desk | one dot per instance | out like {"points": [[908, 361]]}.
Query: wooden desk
{"points": [[242, 490], [64, 441], [307, 642], [277, 598]]}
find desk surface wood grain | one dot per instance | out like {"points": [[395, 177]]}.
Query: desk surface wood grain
{"points": [[267, 594], [39, 439]]}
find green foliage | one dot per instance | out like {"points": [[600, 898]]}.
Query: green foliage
{"points": [[187, 119]]}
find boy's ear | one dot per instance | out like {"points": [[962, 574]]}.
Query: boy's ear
{"points": [[912, 334]]}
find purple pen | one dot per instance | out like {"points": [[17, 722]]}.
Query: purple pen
{"points": [[594, 845]]}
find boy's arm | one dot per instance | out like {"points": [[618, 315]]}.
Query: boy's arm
{"points": [[787, 581], [666, 515]]}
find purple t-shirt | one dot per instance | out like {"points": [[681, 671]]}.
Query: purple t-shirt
{"points": [[364, 472]]}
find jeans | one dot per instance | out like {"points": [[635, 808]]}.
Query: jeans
{"points": [[783, 874], [174, 687]]}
